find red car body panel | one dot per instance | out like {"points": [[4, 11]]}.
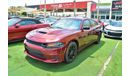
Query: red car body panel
{"points": [[20, 32], [82, 37]]}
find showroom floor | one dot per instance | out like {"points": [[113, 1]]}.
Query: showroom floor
{"points": [[88, 62]]}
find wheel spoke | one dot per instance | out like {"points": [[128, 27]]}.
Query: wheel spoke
{"points": [[71, 52]]}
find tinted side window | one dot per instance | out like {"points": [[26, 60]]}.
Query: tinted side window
{"points": [[86, 24], [27, 22], [37, 21], [93, 23]]}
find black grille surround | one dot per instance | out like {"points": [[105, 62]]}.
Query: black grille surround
{"points": [[36, 43], [34, 53], [114, 34]]}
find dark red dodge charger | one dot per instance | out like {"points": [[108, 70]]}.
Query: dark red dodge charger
{"points": [[62, 41]]}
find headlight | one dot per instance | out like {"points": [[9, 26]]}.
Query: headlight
{"points": [[54, 45]]}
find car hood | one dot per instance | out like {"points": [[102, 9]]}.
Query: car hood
{"points": [[49, 34], [109, 27]]}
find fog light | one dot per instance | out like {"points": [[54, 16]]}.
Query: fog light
{"points": [[55, 58]]}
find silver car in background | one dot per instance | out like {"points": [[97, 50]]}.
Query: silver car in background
{"points": [[113, 29]]}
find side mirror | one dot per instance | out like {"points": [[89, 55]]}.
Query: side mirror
{"points": [[17, 25], [86, 28]]}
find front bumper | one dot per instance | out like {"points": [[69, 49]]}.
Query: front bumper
{"points": [[45, 55], [113, 34]]}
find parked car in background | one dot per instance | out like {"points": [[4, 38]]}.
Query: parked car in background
{"points": [[105, 22], [40, 16], [63, 40], [10, 17], [113, 29], [19, 27], [49, 20]]}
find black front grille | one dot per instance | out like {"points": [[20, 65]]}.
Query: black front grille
{"points": [[36, 43], [34, 53], [114, 34]]}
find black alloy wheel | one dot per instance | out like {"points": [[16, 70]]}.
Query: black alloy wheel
{"points": [[71, 52]]}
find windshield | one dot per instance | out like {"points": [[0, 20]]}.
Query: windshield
{"points": [[13, 21], [116, 23], [67, 24]]}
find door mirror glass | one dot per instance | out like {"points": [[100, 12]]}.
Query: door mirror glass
{"points": [[17, 25], [86, 28]]}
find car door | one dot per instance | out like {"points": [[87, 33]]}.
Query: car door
{"points": [[95, 29], [19, 30], [87, 31]]}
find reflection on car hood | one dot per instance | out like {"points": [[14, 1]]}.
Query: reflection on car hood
{"points": [[113, 27], [49, 34]]}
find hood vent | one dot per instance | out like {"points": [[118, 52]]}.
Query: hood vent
{"points": [[42, 32]]}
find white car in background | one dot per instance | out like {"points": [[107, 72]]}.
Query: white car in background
{"points": [[113, 29]]}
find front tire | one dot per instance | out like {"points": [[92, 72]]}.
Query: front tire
{"points": [[71, 52]]}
